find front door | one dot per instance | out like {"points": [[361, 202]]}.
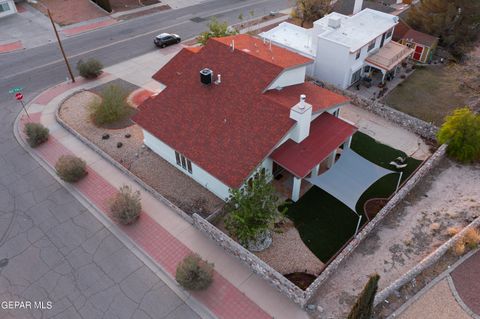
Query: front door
{"points": [[276, 169], [418, 53]]}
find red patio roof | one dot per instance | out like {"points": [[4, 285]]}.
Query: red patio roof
{"points": [[327, 132]]}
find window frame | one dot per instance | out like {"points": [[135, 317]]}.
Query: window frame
{"points": [[371, 45], [357, 54]]}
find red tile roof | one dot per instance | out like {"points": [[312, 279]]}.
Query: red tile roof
{"points": [[226, 129], [269, 53], [404, 31], [327, 132], [319, 98]]}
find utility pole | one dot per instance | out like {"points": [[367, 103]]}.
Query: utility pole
{"points": [[59, 43]]}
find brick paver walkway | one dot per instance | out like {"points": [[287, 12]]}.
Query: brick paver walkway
{"points": [[466, 279], [222, 298], [10, 47]]}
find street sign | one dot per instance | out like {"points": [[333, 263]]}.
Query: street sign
{"points": [[19, 96], [15, 89]]}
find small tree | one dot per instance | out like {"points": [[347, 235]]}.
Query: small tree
{"points": [[461, 131], [125, 206], [90, 69], [216, 29], [311, 10], [113, 106], [36, 134], [363, 307], [71, 168], [252, 209], [194, 273]]}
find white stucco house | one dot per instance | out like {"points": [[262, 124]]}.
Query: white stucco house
{"points": [[237, 105], [7, 7], [345, 48]]}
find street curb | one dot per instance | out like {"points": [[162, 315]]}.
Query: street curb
{"points": [[436, 280], [158, 270]]}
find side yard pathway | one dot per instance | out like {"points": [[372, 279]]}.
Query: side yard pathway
{"points": [[454, 294], [160, 232]]}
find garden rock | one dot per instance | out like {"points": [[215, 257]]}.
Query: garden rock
{"points": [[119, 144], [128, 135], [264, 240], [105, 136]]}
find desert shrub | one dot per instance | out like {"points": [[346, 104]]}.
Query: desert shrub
{"points": [[363, 307], [472, 238], [459, 247], [113, 106], [36, 134], [194, 273], [89, 69], [125, 206], [71, 168], [452, 231], [461, 131]]}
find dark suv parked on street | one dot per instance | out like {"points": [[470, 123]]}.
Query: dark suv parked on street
{"points": [[165, 39]]}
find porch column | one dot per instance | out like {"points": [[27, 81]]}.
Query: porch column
{"points": [[383, 76], [315, 170], [347, 143], [331, 158], [297, 182]]}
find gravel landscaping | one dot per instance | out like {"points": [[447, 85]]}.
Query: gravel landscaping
{"points": [[151, 168]]}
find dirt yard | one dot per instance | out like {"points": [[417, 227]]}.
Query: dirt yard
{"points": [[151, 168], [432, 92], [65, 12], [450, 196]]}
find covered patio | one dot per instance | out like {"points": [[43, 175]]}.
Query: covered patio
{"points": [[327, 134], [387, 60]]}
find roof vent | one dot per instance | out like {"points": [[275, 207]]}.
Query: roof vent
{"points": [[206, 76], [334, 22], [303, 97]]}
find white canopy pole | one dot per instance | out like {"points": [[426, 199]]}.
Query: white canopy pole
{"points": [[398, 183]]}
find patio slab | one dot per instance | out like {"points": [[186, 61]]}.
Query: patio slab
{"points": [[386, 132]]}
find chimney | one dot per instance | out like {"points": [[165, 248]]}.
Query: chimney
{"points": [[357, 7], [206, 76], [302, 113]]}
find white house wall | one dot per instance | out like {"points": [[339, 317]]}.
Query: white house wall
{"points": [[289, 77], [198, 174], [332, 63]]}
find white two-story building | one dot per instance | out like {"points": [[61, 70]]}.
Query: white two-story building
{"points": [[7, 7], [345, 48]]}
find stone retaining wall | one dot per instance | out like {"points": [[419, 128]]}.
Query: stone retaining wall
{"points": [[426, 130], [125, 171], [276, 279], [425, 169], [424, 264]]}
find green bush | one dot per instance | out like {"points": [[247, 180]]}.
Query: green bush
{"points": [[113, 106], [125, 206], [36, 134], [253, 209], [461, 131], [90, 69], [71, 168], [216, 29], [194, 273]]}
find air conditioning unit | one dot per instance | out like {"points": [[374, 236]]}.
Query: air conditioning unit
{"points": [[206, 76]]}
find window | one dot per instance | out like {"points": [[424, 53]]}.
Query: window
{"points": [[389, 33], [4, 7], [371, 45], [356, 76], [357, 55], [184, 162], [366, 69]]}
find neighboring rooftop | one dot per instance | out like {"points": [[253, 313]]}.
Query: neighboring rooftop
{"points": [[404, 31], [346, 6], [358, 30], [229, 128], [292, 36]]}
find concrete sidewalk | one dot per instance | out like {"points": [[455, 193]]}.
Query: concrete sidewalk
{"points": [[161, 233]]}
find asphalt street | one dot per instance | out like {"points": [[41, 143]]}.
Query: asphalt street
{"points": [[51, 247]]}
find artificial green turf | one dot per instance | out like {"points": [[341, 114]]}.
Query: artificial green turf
{"points": [[324, 223]]}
